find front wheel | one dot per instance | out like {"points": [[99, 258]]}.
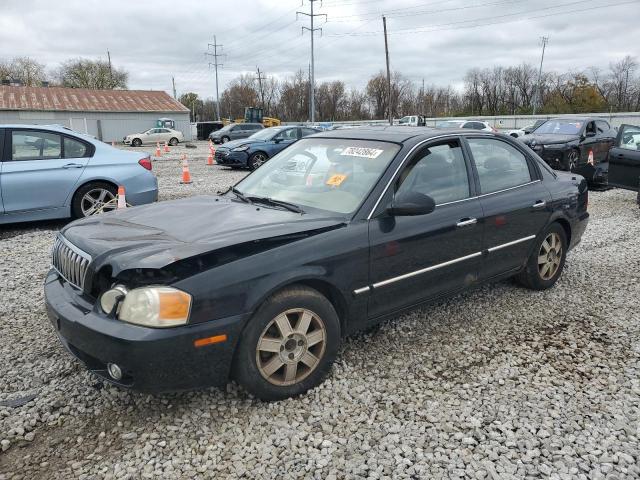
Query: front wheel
{"points": [[546, 263], [571, 163], [224, 139], [173, 141], [289, 345], [136, 142], [257, 160]]}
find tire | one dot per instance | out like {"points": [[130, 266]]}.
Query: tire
{"points": [[534, 275], [136, 142], [265, 372], [257, 159], [224, 139], [101, 192], [572, 160], [173, 141], [514, 135]]}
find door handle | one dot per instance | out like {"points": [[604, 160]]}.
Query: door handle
{"points": [[539, 204], [72, 165], [465, 222]]}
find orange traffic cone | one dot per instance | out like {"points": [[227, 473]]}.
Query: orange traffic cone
{"points": [[166, 147], [210, 159], [122, 201], [158, 152], [186, 176]]}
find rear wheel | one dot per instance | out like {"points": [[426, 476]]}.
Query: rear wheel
{"points": [[136, 142], [173, 141], [93, 198], [289, 345], [546, 263]]}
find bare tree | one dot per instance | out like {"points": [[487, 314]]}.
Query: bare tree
{"points": [[24, 70], [94, 74]]}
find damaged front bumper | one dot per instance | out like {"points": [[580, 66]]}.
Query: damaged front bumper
{"points": [[150, 359]]}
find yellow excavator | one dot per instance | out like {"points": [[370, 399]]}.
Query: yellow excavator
{"points": [[254, 115]]}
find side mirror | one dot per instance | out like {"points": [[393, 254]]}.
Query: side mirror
{"points": [[590, 134], [411, 204], [278, 140]]}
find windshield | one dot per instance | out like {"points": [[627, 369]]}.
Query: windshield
{"points": [[334, 175], [560, 127], [265, 134], [404, 120], [450, 124], [226, 128]]}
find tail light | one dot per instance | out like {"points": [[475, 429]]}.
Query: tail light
{"points": [[145, 163]]}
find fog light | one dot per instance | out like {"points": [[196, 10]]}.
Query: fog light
{"points": [[114, 371]]}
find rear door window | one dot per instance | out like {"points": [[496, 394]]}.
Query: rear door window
{"points": [[74, 148], [35, 145], [499, 165]]}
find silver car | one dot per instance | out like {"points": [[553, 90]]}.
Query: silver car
{"points": [[235, 131], [51, 172], [153, 136]]}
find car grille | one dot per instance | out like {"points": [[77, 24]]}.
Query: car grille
{"points": [[221, 154], [70, 262]]}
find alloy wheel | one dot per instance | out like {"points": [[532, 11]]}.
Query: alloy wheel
{"points": [[573, 160], [98, 200], [258, 160], [550, 256], [291, 347]]}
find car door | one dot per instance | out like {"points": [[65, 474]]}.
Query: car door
{"points": [[35, 173], [514, 202], [606, 139], [237, 132], [589, 144], [624, 159], [414, 258], [285, 138]]}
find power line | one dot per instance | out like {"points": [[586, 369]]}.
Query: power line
{"points": [[421, 30], [215, 56], [545, 40], [312, 31]]}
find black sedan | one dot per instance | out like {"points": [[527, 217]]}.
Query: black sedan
{"points": [[578, 145], [334, 234]]}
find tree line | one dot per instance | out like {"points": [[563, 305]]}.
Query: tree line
{"points": [[74, 73], [500, 90]]}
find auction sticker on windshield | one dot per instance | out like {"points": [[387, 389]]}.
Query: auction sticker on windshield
{"points": [[336, 180], [362, 152]]}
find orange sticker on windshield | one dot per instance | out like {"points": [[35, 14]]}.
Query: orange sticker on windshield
{"points": [[336, 180]]}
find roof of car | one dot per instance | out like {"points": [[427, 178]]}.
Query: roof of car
{"points": [[387, 133]]}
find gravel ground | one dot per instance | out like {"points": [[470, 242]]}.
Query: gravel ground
{"points": [[497, 383]]}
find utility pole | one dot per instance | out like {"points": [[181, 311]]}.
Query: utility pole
{"points": [[386, 52], [261, 77], [173, 82], [215, 63], [110, 71], [312, 30], [545, 40], [310, 92]]}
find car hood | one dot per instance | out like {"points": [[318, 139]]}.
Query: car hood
{"points": [[156, 235], [241, 143], [549, 139]]}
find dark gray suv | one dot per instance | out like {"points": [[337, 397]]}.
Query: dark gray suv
{"points": [[234, 131]]}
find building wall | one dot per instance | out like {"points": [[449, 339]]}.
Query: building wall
{"points": [[107, 126]]}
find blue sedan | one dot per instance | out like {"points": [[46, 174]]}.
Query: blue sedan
{"points": [[261, 146], [49, 172]]}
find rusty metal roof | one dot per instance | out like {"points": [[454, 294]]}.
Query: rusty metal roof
{"points": [[86, 100]]}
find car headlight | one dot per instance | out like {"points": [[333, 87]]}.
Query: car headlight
{"points": [[158, 307], [243, 148]]}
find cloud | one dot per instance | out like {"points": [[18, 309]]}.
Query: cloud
{"points": [[434, 40]]}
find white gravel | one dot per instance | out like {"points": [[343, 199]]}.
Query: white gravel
{"points": [[500, 382]]}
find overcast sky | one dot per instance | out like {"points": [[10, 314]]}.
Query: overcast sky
{"points": [[434, 40]]}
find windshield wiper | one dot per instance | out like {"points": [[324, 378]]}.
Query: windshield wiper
{"points": [[240, 195], [292, 207]]}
